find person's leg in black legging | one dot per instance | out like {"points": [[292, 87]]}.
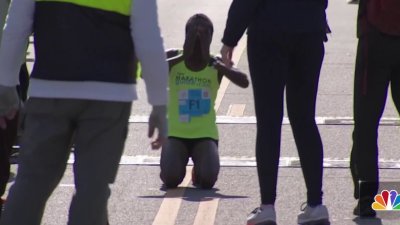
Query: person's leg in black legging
{"points": [[268, 68], [173, 161], [301, 93], [205, 158], [370, 93], [358, 87]]}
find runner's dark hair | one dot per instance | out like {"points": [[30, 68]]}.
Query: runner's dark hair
{"points": [[200, 17]]}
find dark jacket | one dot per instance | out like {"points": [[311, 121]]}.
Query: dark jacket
{"points": [[385, 19], [274, 15]]}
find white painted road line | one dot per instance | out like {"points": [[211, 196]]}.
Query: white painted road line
{"points": [[252, 120], [145, 160]]}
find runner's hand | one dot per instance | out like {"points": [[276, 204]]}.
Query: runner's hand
{"points": [[158, 120]]}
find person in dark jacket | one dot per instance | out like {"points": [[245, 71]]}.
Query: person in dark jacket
{"points": [[285, 50], [377, 67]]}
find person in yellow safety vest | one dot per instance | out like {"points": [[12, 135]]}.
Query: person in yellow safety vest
{"points": [[82, 87], [194, 79]]}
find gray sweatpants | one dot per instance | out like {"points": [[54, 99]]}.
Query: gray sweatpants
{"points": [[98, 130]]}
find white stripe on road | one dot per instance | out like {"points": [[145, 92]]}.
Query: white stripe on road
{"points": [[145, 160], [324, 120], [66, 185]]}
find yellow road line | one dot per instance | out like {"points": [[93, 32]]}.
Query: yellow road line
{"points": [[236, 110], [206, 212], [172, 202]]}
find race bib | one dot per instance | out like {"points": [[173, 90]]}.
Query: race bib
{"points": [[193, 103]]}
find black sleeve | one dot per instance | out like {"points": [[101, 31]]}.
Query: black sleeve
{"points": [[240, 15]]}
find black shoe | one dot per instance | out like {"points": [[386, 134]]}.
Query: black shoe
{"points": [[364, 208]]}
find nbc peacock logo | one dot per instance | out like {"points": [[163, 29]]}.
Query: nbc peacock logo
{"points": [[387, 201]]}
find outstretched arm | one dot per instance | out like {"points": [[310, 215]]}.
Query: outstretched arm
{"points": [[173, 52], [233, 74], [174, 56]]}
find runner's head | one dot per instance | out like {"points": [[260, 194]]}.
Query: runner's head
{"points": [[199, 21], [199, 30]]}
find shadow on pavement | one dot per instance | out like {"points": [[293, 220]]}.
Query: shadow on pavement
{"points": [[369, 221], [193, 194]]}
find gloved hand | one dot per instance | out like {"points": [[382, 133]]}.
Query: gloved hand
{"points": [[158, 120], [9, 103]]}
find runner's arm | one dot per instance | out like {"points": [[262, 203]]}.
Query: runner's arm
{"points": [[233, 74]]}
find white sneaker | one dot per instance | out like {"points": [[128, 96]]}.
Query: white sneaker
{"points": [[314, 215], [264, 215]]}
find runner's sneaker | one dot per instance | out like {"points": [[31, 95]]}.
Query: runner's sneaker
{"points": [[317, 215], [264, 215]]}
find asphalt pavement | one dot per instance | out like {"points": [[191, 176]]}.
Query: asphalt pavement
{"points": [[138, 197]]}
